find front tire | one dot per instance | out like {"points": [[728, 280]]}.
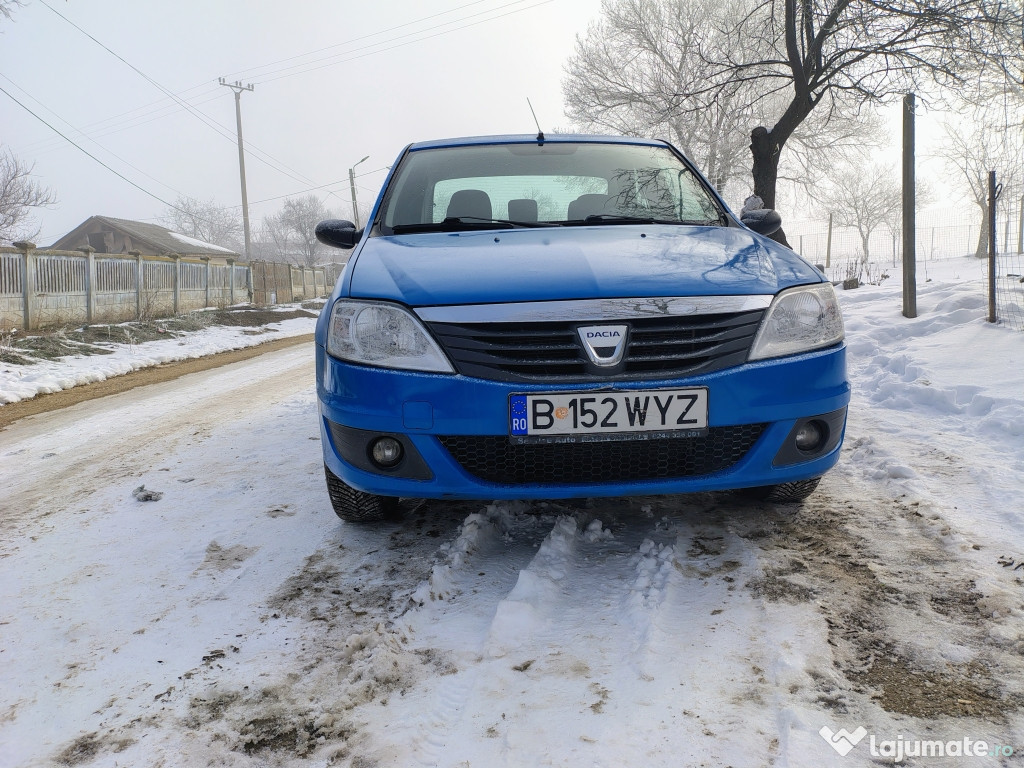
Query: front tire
{"points": [[354, 506], [783, 493]]}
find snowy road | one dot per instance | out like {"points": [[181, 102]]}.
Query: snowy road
{"points": [[236, 622]]}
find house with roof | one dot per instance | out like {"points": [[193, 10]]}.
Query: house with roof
{"points": [[109, 235]]}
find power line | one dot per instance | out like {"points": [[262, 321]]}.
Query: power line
{"points": [[256, 152], [249, 72], [113, 154], [181, 103], [87, 152], [252, 73], [93, 157], [107, 126], [206, 119], [321, 186], [338, 60]]}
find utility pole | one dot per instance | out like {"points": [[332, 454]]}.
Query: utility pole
{"points": [[352, 186], [828, 244], [909, 221], [237, 87], [993, 195]]}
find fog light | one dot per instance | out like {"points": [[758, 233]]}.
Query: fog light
{"points": [[386, 452], [811, 436]]}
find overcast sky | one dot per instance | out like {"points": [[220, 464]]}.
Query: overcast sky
{"points": [[334, 82]]}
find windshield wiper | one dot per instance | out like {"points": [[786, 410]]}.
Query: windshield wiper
{"points": [[614, 218], [459, 223], [509, 222]]}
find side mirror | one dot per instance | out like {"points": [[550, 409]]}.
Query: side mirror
{"points": [[338, 233], [764, 221]]}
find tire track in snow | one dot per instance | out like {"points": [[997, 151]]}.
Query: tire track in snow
{"points": [[583, 647], [514, 606], [687, 642], [528, 609], [491, 548]]}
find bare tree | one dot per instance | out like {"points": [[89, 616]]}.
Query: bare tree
{"points": [[651, 68], [273, 239], [924, 195], [985, 137], [205, 220], [863, 196], [7, 7], [775, 63], [866, 196], [20, 194], [836, 55], [299, 217], [636, 71]]}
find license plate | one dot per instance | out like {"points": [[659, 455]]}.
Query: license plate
{"points": [[591, 416]]}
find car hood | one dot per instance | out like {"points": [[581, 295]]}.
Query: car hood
{"points": [[542, 264]]}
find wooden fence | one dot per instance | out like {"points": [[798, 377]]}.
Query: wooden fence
{"points": [[44, 288]]}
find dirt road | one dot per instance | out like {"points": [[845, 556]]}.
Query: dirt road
{"points": [[11, 412], [236, 622]]}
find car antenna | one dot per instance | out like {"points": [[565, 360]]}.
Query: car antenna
{"points": [[540, 133]]}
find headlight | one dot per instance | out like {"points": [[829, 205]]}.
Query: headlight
{"points": [[384, 335], [799, 320]]}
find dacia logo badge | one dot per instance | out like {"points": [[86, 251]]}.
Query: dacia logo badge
{"points": [[605, 345]]}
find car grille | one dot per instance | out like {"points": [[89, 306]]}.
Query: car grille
{"points": [[495, 459], [662, 347]]}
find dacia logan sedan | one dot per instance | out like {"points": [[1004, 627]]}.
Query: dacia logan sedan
{"points": [[531, 317]]}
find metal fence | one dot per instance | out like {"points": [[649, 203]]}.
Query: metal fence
{"points": [[841, 252], [41, 288]]}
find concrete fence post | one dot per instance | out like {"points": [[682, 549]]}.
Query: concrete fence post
{"points": [[177, 281], [206, 263], [138, 282], [28, 282], [90, 282], [231, 279]]}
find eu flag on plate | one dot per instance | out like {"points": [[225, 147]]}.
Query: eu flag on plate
{"points": [[517, 414]]}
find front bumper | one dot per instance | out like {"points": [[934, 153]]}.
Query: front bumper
{"points": [[760, 403]]}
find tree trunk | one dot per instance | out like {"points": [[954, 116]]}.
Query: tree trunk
{"points": [[981, 251], [765, 151], [766, 164]]}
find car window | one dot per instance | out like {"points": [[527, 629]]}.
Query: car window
{"points": [[552, 194], [537, 184]]}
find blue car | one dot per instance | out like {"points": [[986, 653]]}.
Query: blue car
{"points": [[531, 317]]}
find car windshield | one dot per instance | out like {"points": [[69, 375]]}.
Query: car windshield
{"points": [[543, 184]]}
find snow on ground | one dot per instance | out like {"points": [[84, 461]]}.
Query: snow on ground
{"points": [[236, 622], [21, 382]]}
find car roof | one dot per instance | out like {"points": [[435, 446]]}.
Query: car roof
{"points": [[533, 138]]}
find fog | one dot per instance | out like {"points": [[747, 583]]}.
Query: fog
{"points": [[333, 83]]}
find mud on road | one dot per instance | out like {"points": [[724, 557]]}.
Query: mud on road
{"points": [[236, 622], [688, 630]]}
